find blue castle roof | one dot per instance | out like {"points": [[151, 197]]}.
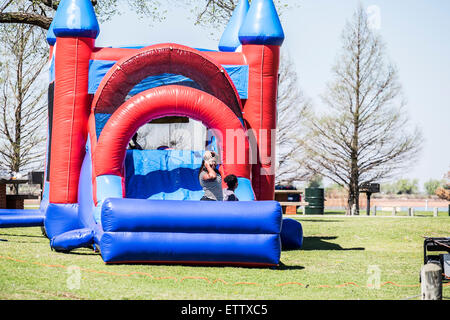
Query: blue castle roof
{"points": [[51, 38], [76, 18], [262, 25], [229, 41]]}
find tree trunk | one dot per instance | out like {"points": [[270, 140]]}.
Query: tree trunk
{"points": [[350, 199], [431, 278]]}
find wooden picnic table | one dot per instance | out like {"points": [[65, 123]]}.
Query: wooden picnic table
{"points": [[289, 207], [13, 201]]}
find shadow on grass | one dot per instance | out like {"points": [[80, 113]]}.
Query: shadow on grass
{"points": [[19, 235], [318, 243], [81, 251], [318, 220], [340, 213], [194, 265], [91, 253], [19, 241], [282, 266]]}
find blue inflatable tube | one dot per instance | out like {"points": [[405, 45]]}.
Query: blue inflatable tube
{"points": [[60, 218], [291, 234], [21, 221], [73, 239], [15, 212], [199, 248], [240, 217]]}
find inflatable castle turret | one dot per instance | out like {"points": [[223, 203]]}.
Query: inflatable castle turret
{"points": [[261, 36], [76, 29], [143, 205], [258, 30]]}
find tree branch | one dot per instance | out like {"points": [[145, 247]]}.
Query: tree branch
{"points": [[27, 18]]}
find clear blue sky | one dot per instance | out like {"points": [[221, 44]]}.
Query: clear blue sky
{"points": [[417, 38]]}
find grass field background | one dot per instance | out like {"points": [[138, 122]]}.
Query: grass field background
{"points": [[334, 263]]}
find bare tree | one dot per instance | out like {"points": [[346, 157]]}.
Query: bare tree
{"points": [[292, 107], [22, 105], [364, 135], [39, 13], [217, 13]]}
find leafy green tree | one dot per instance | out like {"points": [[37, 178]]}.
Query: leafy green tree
{"points": [[407, 186], [316, 181], [432, 185], [388, 188]]}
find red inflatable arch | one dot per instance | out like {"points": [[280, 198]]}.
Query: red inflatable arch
{"points": [[165, 58], [165, 101]]}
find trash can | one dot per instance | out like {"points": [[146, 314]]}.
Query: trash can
{"points": [[316, 200]]}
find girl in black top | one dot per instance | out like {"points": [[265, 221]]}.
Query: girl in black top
{"points": [[232, 183]]}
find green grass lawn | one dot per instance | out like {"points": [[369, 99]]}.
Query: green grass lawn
{"points": [[334, 263]]}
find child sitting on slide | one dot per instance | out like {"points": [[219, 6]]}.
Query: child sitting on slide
{"points": [[232, 183]]}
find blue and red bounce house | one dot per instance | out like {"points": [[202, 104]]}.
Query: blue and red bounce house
{"points": [[142, 206]]}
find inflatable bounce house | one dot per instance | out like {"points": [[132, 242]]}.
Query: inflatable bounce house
{"points": [[142, 206]]}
